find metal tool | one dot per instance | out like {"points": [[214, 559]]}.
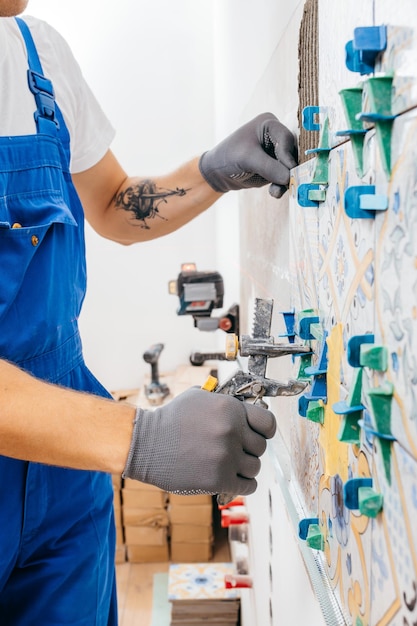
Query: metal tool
{"points": [[199, 358], [155, 391], [253, 385]]}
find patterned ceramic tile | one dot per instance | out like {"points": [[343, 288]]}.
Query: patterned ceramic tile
{"points": [[366, 273], [200, 581], [396, 285], [346, 251]]}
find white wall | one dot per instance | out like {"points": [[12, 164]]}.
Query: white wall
{"points": [[150, 64], [245, 37]]}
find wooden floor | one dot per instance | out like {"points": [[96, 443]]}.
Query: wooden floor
{"points": [[134, 590], [135, 584]]}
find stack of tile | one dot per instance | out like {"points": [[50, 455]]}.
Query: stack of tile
{"points": [[144, 516], [121, 395], [191, 524], [191, 517], [120, 555], [145, 521], [198, 595]]}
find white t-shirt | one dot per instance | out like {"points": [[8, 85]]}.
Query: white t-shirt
{"points": [[90, 131]]}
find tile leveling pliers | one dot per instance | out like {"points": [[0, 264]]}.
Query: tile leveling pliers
{"points": [[253, 385]]}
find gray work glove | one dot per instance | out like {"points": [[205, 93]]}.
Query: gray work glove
{"points": [[260, 152], [200, 442]]}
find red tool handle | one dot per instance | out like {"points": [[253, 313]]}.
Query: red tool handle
{"points": [[233, 516], [236, 581]]}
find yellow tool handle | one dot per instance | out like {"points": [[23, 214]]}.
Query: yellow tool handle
{"points": [[210, 384]]}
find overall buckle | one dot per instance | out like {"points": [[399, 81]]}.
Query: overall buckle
{"points": [[43, 91]]}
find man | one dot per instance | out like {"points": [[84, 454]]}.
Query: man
{"points": [[57, 535]]}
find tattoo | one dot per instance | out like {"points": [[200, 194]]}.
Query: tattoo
{"points": [[143, 200]]}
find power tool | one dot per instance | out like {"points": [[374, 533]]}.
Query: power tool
{"points": [[156, 391], [201, 292]]}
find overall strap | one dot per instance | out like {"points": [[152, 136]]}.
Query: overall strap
{"points": [[48, 117]]}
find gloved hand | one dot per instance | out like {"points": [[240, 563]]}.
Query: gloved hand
{"points": [[200, 442], [260, 152]]}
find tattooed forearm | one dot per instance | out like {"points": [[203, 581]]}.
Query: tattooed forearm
{"points": [[142, 200]]}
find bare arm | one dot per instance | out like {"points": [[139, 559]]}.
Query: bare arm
{"points": [[49, 424], [129, 209], [216, 434], [133, 209]]}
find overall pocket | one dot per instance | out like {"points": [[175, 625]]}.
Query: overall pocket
{"points": [[26, 220]]}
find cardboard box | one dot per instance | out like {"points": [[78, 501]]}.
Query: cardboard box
{"points": [[180, 500], [129, 483], [155, 518], [148, 554], [118, 516], [191, 552], [116, 480], [118, 522], [138, 535], [190, 533], [119, 536], [143, 499], [120, 554], [200, 515], [117, 502]]}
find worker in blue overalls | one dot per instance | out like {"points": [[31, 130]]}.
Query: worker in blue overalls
{"points": [[60, 432]]}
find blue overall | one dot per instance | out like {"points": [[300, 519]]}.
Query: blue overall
{"points": [[56, 525]]}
